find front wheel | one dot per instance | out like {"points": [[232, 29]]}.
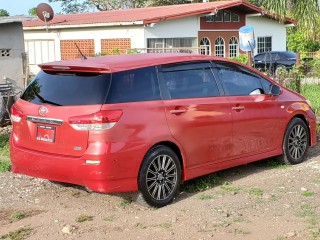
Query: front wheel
{"points": [[159, 176], [295, 143]]}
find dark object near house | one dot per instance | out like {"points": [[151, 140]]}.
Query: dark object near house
{"points": [[272, 61]]}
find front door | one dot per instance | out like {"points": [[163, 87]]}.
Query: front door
{"points": [[254, 123]]}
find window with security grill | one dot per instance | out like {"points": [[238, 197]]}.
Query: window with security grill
{"points": [[219, 47], [5, 53], [264, 44], [233, 47]]}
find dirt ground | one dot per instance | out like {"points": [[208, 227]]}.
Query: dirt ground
{"points": [[255, 201]]}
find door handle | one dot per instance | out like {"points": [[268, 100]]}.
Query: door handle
{"points": [[238, 108], [178, 111]]}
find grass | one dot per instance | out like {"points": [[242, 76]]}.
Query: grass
{"points": [[21, 233], [109, 218], [205, 197], [228, 187], [202, 183], [272, 163], [18, 216], [84, 218], [308, 212], [5, 164], [124, 203], [312, 93], [308, 194], [256, 192]]}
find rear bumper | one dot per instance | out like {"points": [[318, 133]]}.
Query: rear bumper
{"points": [[117, 171]]}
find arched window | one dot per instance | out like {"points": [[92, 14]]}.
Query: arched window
{"points": [[233, 47], [219, 47], [205, 46]]}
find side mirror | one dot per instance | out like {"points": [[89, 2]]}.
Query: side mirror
{"points": [[275, 90]]}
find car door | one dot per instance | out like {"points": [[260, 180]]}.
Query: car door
{"points": [[198, 117], [254, 112]]}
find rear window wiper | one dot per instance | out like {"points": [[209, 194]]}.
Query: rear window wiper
{"points": [[42, 99]]}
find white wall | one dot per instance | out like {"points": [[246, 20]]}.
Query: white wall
{"points": [[177, 28], [264, 27], [135, 33]]}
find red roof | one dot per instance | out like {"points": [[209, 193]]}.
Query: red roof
{"points": [[118, 63], [147, 15]]}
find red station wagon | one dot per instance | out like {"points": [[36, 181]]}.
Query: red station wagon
{"points": [[146, 122]]}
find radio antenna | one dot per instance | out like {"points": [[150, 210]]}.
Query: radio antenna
{"points": [[83, 57]]}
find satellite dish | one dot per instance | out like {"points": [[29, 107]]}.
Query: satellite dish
{"points": [[44, 12]]}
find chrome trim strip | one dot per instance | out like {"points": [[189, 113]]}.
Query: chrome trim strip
{"points": [[45, 120]]}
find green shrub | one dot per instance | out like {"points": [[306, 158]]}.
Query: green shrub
{"points": [[242, 58], [5, 164]]}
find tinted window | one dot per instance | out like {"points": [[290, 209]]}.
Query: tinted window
{"points": [[238, 81], [288, 55], [134, 86], [266, 85], [192, 83], [67, 89], [260, 57]]}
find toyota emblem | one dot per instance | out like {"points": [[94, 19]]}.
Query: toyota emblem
{"points": [[43, 111]]}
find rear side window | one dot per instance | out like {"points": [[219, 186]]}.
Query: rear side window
{"points": [[134, 86], [63, 89]]}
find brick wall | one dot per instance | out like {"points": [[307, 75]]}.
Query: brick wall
{"points": [[70, 51], [115, 46]]}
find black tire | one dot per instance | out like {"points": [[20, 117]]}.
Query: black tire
{"points": [[159, 177], [295, 143]]}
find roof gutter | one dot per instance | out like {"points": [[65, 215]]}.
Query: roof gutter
{"points": [[112, 24]]}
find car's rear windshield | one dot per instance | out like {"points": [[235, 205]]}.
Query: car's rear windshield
{"points": [[70, 89]]}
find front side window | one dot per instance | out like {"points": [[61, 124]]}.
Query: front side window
{"points": [[134, 86], [237, 81], [264, 44], [190, 83], [219, 47]]}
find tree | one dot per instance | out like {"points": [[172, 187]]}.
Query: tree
{"points": [[79, 6], [33, 11], [306, 13], [4, 13]]}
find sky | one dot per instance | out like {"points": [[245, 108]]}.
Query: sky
{"points": [[19, 7]]}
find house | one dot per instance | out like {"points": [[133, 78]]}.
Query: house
{"points": [[12, 52], [208, 28]]}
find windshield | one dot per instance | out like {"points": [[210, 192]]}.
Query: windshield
{"points": [[61, 89]]}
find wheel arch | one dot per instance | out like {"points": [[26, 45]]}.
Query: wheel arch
{"points": [[174, 147], [305, 119]]}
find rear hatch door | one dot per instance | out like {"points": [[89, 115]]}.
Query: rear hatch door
{"points": [[48, 103]]}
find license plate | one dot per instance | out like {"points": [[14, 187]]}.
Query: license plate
{"points": [[46, 133]]}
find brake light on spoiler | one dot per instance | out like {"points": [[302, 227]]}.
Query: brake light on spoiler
{"points": [[102, 120]]}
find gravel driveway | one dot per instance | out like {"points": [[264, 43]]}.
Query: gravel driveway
{"points": [[255, 201]]}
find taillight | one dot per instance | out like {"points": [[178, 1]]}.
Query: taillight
{"points": [[16, 114], [101, 120]]}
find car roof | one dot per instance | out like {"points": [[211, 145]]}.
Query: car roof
{"points": [[274, 52], [118, 63]]}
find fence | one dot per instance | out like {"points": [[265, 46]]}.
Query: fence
{"points": [[195, 50]]}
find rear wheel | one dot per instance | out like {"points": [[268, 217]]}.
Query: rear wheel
{"points": [[295, 143], [159, 176]]}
